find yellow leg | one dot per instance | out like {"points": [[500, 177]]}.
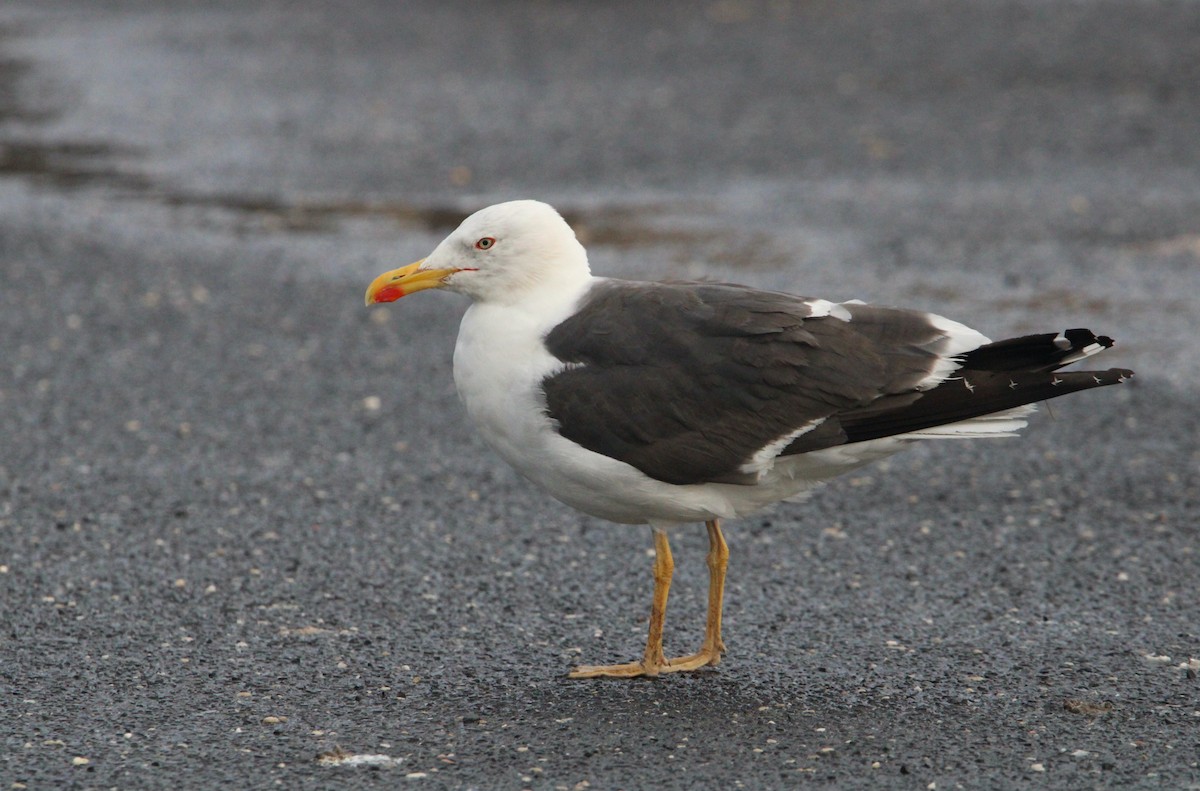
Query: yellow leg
{"points": [[712, 647], [653, 661]]}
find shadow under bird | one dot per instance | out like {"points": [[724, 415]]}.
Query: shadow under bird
{"points": [[679, 402]]}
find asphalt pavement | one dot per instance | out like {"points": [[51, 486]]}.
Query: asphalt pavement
{"points": [[248, 540]]}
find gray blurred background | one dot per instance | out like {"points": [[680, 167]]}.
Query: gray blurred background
{"points": [[243, 523]]}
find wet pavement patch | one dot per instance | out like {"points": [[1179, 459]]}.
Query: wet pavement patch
{"points": [[72, 164], [66, 164], [14, 104], [59, 163]]}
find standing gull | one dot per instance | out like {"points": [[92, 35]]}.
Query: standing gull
{"points": [[668, 403]]}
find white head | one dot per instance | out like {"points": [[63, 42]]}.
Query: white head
{"points": [[498, 253]]}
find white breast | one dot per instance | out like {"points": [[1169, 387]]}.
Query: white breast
{"points": [[499, 363]]}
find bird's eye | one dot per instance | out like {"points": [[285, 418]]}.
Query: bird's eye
{"points": [[485, 243]]}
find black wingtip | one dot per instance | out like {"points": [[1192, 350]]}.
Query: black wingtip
{"points": [[1044, 352], [1080, 337]]}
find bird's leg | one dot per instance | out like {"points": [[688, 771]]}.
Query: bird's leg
{"points": [[718, 561], [664, 569], [712, 647], [652, 662]]}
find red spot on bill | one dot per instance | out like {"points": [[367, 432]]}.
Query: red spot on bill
{"points": [[389, 294]]}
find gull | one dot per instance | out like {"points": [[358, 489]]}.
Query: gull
{"points": [[668, 403]]}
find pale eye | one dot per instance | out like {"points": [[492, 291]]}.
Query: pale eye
{"points": [[485, 243]]}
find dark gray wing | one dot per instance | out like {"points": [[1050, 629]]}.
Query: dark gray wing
{"points": [[687, 381]]}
